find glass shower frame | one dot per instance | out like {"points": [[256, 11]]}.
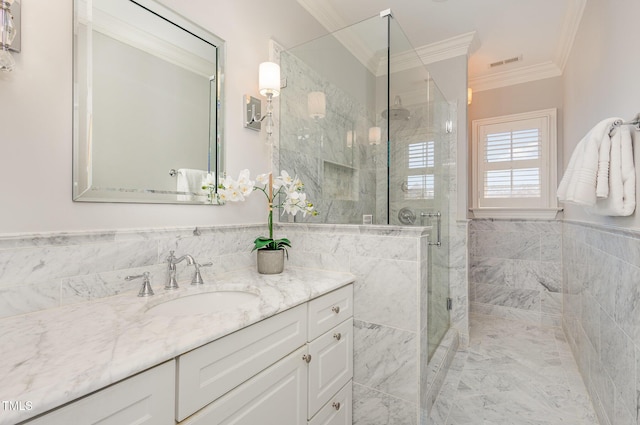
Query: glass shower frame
{"points": [[364, 126]]}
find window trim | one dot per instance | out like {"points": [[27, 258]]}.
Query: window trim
{"points": [[548, 206]]}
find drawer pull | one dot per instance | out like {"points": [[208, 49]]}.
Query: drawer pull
{"points": [[306, 358], [337, 336], [336, 405], [336, 309]]}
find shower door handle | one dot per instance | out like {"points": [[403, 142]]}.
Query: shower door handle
{"points": [[438, 217]]}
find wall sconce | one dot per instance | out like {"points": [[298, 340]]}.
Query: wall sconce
{"points": [[9, 29], [317, 105], [375, 135], [269, 86], [351, 138], [469, 95]]}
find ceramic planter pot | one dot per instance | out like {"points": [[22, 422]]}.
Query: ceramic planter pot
{"points": [[270, 261]]}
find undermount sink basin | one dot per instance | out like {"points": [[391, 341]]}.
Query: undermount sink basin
{"points": [[209, 302]]}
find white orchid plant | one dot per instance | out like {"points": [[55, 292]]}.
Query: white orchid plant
{"points": [[295, 200]]}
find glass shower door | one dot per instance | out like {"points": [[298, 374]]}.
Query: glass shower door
{"points": [[419, 171]]}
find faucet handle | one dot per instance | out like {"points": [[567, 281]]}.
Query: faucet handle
{"points": [[197, 277], [146, 290]]}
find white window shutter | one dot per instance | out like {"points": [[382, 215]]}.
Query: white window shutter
{"points": [[511, 159]]}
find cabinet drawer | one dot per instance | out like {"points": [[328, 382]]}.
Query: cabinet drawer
{"points": [[144, 399], [329, 310], [337, 411], [212, 370], [276, 396], [331, 365]]}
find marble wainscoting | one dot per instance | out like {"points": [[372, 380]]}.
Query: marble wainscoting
{"points": [[601, 291], [459, 279], [42, 271], [515, 269], [390, 311]]}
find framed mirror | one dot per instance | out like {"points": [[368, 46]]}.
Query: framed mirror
{"points": [[147, 115]]}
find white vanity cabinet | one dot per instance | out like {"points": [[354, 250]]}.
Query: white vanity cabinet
{"points": [[276, 396], [330, 347], [338, 411], [291, 369], [212, 370], [331, 365], [147, 398]]}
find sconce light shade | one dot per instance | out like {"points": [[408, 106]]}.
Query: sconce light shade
{"points": [[375, 135], [269, 79], [351, 138], [316, 104], [469, 96]]}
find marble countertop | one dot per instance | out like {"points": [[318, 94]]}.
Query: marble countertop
{"points": [[54, 356]]}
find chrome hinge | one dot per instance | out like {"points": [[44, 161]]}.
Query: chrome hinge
{"points": [[449, 304]]}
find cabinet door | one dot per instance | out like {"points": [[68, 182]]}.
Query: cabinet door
{"points": [[210, 371], [276, 396], [331, 365], [337, 411], [329, 310], [144, 399]]}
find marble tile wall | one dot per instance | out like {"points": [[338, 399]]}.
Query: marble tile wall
{"points": [[41, 271], [515, 269], [601, 291], [339, 177], [390, 306], [458, 278], [47, 270]]}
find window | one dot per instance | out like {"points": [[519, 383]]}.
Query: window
{"points": [[515, 165], [420, 182]]}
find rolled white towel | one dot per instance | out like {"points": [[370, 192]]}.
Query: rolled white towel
{"points": [[622, 177], [579, 184]]}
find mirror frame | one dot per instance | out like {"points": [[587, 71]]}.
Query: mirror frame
{"points": [[215, 149]]}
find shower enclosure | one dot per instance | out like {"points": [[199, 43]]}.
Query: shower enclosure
{"points": [[367, 130]]}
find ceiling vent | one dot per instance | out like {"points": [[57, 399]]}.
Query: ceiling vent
{"points": [[506, 61]]}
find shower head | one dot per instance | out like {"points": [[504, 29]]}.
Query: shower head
{"points": [[396, 112]]}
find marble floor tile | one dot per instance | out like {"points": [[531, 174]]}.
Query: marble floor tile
{"points": [[513, 373]]}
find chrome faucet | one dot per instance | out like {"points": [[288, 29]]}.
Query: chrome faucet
{"points": [[172, 283], [197, 277], [146, 290]]}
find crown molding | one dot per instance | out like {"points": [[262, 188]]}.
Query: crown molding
{"points": [[435, 52], [449, 48], [464, 44], [555, 68], [332, 21], [325, 14], [515, 76], [570, 27]]}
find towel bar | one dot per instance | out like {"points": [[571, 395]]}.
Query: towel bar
{"points": [[173, 172], [618, 123]]}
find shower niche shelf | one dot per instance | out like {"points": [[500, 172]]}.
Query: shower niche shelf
{"points": [[340, 181]]}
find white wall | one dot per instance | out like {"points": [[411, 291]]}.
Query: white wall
{"points": [[35, 123], [600, 81]]}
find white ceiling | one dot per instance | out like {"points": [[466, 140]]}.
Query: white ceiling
{"points": [[540, 31]]}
